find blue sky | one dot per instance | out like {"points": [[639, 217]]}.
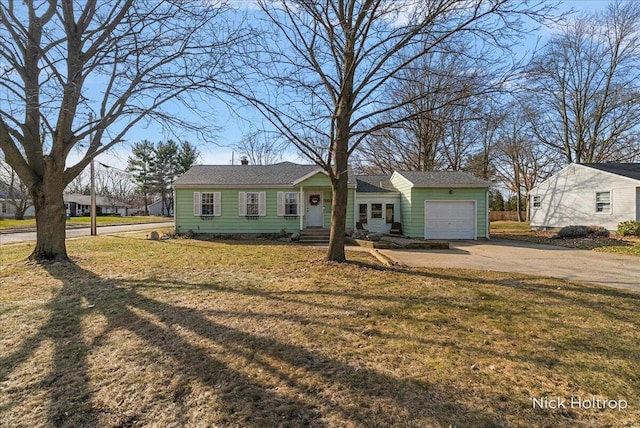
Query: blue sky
{"points": [[231, 129]]}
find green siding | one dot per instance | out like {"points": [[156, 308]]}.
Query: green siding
{"points": [[317, 180], [231, 222], [406, 216]]}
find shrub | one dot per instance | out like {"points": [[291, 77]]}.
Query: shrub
{"points": [[569, 232], [629, 227], [598, 232]]}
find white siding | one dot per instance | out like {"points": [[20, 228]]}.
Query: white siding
{"points": [[568, 198], [11, 211], [382, 226]]}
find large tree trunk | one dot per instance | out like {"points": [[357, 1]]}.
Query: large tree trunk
{"points": [[47, 196], [338, 219], [339, 186]]}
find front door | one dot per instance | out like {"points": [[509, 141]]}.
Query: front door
{"points": [[377, 221], [314, 209]]}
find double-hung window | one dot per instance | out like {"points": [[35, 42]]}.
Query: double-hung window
{"points": [[288, 204], [252, 204], [603, 202], [291, 204], [206, 204], [537, 201]]}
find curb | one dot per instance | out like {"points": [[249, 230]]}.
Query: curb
{"points": [[393, 260], [387, 260]]}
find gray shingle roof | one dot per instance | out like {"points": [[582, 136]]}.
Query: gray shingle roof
{"points": [[374, 184], [280, 174], [443, 179], [630, 170]]}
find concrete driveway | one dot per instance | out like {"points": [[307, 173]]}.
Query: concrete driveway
{"points": [[529, 258]]}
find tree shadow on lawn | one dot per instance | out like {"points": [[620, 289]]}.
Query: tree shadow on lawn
{"points": [[242, 399]]}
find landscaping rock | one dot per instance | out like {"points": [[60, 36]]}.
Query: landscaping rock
{"points": [[295, 237], [375, 237], [154, 235], [359, 234]]}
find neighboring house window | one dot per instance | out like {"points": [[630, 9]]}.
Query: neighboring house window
{"points": [[4, 208], [288, 204], [252, 204], [389, 213], [362, 214], [603, 202], [207, 204], [537, 201]]}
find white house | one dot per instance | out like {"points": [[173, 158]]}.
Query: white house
{"points": [[599, 194], [79, 205], [7, 209]]}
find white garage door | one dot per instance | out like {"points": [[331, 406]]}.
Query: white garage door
{"points": [[450, 219]]}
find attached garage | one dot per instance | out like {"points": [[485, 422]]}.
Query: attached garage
{"points": [[450, 220]]}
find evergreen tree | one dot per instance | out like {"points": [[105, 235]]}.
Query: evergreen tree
{"points": [[140, 164], [496, 200]]}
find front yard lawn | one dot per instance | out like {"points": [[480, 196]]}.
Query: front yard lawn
{"points": [[193, 333], [628, 245]]}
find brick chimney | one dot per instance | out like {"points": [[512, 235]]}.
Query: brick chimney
{"points": [[244, 160]]}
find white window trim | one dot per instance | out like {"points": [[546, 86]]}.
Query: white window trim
{"points": [[595, 200], [242, 204], [536, 199], [197, 204], [282, 204]]}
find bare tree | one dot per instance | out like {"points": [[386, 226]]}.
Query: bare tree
{"points": [[81, 184], [90, 71], [521, 162], [15, 190], [261, 147], [318, 72], [114, 184], [439, 86], [584, 87]]}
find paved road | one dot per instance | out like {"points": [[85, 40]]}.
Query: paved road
{"points": [[535, 259], [9, 238]]}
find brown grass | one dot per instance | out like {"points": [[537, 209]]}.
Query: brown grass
{"points": [[192, 333]]}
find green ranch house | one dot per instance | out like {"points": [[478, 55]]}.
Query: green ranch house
{"points": [[254, 199]]}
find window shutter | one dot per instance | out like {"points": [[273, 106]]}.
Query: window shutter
{"points": [[262, 204], [217, 209], [280, 204], [197, 203], [242, 204]]}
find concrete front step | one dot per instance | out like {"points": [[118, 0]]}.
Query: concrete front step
{"points": [[314, 236]]}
